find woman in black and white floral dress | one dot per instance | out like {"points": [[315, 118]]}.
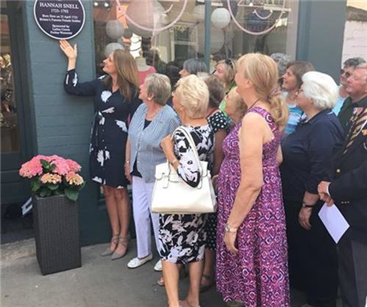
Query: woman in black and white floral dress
{"points": [[183, 236], [116, 99]]}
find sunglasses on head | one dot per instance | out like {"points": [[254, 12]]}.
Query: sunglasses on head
{"points": [[229, 63], [347, 74]]}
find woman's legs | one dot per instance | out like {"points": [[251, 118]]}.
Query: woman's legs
{"points": [[208, 273], [171, 276], [123, 209], [195, 272], [112, 213], [117, 202]]}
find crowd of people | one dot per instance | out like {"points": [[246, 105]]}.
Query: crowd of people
{"points": [[280, 138]]}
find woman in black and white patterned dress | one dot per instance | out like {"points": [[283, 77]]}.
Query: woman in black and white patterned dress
{"points": [[183, 236], [116, 99]]}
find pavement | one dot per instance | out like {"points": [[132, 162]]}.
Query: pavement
{"points": [[100, 282]]}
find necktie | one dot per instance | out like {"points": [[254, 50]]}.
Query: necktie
{"points": [[358, 120]]}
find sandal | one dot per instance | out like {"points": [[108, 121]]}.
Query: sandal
{"points": [[123, 241], [207, 286], [109, 251], [183, 274]]}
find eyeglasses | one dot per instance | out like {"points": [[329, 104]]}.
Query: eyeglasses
{"points": [[346, 73], [229, 63]]}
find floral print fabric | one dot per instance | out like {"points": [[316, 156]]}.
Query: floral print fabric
{"points": [[183, 236], [258, 274], [109, 132]]}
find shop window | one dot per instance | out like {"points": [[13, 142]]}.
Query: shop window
{"points": [[8, 115], [175, 29]]}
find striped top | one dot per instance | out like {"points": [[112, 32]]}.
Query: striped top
{"points": [[145, 144]]}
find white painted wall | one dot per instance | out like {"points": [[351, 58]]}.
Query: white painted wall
{"points": [[355, 40]]}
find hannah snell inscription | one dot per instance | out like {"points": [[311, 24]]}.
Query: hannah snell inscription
{"points": [[59, 19]]}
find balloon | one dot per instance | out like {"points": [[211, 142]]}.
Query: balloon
{"points": [[146, 13], [112, 47], [220, 18], [217, 38], [128, 33], [114, 29], [199, 12]]}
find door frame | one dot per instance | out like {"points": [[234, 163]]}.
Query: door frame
{"points": [[26, 123]]}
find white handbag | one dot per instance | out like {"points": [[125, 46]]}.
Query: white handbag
{"points": [[172, 195]]}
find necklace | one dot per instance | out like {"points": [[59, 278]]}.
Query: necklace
{"points": [[253, 104], [150, 117]]}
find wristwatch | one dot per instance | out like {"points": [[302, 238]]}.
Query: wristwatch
{"points": [[230, 229], [304, 205]]}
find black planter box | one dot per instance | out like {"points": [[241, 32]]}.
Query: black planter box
{"points": [[56, 227]]}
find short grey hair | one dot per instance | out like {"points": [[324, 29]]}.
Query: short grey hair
{"points": [[321, 89], [193, 66], [193, 94], [282, 61], [354, 62], [158, 86]]}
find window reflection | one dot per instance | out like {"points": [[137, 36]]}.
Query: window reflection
{"points": [[8, 115], [166, 33]]}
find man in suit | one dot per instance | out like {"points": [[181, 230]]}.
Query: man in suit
{"points": [[347, 189]]}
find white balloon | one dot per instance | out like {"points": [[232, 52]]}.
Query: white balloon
{"points": [[114, 29], [199, 12], [112, 47], [217, 38], [146, 13], [221, 18]]}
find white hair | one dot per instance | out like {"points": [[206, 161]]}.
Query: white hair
{"points": [[321, 89]]}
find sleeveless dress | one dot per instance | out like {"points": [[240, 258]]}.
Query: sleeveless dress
{"points": [[258, 274]]}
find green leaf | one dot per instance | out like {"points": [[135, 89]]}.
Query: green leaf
{"points": [[71, 194], [35, 185], [52, 187], [45, 164], [45, 192]]}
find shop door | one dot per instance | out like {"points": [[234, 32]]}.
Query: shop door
{"points": [[12, 122]]}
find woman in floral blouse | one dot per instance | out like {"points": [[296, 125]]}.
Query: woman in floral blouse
{"points": [[116, 99]]}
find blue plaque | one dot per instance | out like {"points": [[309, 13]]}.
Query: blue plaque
{"points": [[59, 19]]}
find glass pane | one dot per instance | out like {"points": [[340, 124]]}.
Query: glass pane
{"points": [[265, 26], [8, 115], [162, 34]]}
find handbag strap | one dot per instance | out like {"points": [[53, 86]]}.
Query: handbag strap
{"points": [[192, 145]]}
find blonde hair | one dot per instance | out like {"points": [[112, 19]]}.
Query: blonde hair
{"points": [[262, 71], [127, 74], [193, 95], [241, 107], [230, 69]]}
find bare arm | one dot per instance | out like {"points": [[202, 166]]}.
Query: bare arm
{"points": [[251, 140], [305, 213], [127, 160], [279, 155], [218, 150]]}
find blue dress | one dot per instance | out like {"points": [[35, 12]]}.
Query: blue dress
{"points": [[110, 127]]}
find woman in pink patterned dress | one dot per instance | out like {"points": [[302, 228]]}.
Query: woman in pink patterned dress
{"points": [[251, 238]]}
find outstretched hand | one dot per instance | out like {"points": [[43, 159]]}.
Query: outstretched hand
{"points": [[70, 52]]}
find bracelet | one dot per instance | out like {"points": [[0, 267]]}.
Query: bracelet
{"points": [[127, 162], [304, 205], [173, 161]]}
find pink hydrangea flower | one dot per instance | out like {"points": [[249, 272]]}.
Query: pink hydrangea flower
{"points": [[50, 178], [74, 179], [31, 168], [73, 166]]}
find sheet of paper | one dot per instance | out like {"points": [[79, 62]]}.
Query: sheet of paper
{"points": [[334, 221]]}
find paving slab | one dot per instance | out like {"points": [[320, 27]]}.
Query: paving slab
{"points": [[100, 282]]}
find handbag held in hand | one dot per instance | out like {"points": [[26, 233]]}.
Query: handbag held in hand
{"points": [[172, 195]]}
